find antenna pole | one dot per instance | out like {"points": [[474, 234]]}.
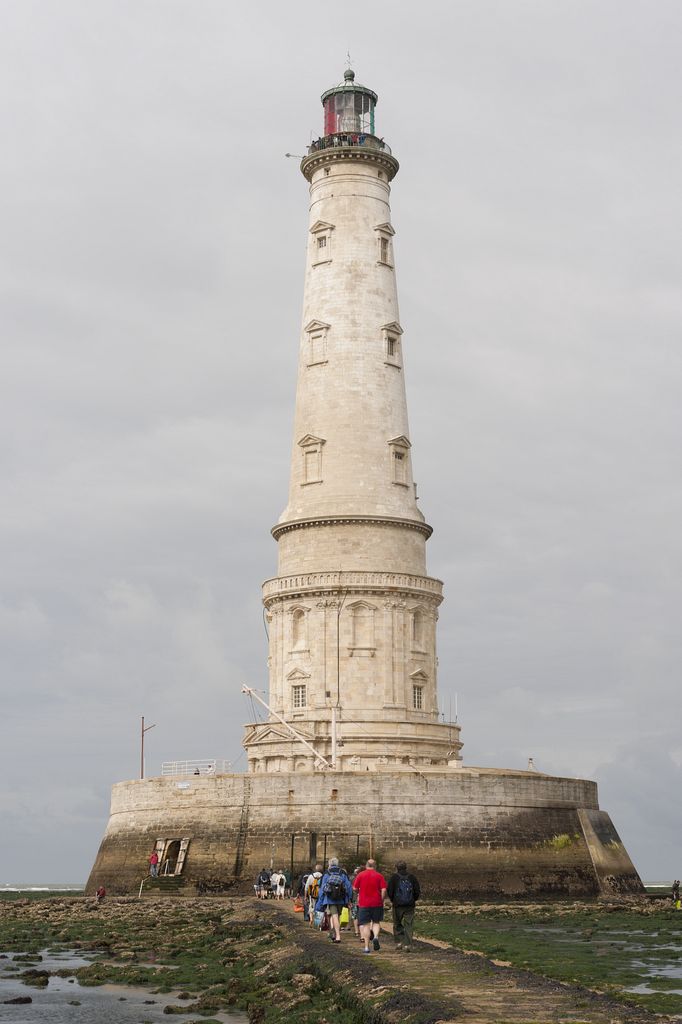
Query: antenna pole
{"points": [[142, 732]]}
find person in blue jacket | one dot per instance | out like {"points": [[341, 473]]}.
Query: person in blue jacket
{"points": [[335, 893]]}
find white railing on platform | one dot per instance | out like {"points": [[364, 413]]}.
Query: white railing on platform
{"points": [[204, 766]]}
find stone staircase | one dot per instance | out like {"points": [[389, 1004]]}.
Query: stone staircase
{"points": [[164, 885]]}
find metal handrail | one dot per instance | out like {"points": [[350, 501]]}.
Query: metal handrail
{"points": [[201, 766], [349, 140]]}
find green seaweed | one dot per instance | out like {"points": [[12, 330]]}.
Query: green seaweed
{"points": [[611, 951]]}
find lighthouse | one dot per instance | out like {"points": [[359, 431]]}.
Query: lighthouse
{"points": [[352, 612], [353, 760]]}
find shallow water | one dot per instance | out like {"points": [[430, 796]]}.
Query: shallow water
{"points": [[115, 1004], [669, 971], [647, 990]]}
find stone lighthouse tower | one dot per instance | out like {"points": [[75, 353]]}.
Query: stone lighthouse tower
{"points": [[352, 618], [352, 613]]}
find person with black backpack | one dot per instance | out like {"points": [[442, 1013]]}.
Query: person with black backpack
{"points": [[336, 893], [403, 892], [263, 884]]}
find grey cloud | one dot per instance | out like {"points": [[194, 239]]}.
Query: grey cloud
{"points": [[152, 255]]}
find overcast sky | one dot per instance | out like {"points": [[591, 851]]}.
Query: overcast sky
{"points": [[152, 243]]}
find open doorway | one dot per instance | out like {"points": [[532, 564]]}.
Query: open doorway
{"points": [[172, 855]]}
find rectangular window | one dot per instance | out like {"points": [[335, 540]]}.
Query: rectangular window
{"points": [[399, 467], [298, 698], [322, 244], [311, 454], [391, 340], [312, 465], [384, 250], [317, 347], [417, 697]]}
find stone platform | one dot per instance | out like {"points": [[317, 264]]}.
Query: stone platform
{"points": [[464, 831]]}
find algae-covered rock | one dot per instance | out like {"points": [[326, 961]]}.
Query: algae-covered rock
{"points": [[39, 979], [304, 981]]}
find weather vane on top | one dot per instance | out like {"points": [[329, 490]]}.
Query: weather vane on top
{"points": [[348, 60]]}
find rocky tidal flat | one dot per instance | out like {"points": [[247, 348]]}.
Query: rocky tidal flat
{"points": [[630, 949], [221, 959]]}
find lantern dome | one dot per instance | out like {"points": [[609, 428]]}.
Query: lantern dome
{"points": [[349, 107]]}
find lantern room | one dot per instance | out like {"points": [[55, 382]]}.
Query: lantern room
{"points": [[349, 108]]}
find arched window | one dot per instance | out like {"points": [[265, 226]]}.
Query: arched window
{"points": [[417, 629], [299, 629], [363, 626], [363, 623]]}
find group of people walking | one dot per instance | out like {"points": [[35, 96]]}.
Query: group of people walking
{"points": [[331, 900], [272, 885]]}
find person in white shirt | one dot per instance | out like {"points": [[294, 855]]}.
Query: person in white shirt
{"points": [[312, 890]]}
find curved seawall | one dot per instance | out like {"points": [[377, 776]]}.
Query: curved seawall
{"points": [[464, 831]]}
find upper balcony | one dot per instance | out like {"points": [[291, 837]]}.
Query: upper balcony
{"points": [[349, 140]]}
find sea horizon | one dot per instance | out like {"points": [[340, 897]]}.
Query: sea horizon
{"points": [[41, 886]]}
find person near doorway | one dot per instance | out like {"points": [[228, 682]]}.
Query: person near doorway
{"points": [[154, 864]]}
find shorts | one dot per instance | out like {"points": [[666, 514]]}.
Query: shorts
{"points": [[370, 915], [334, 909]]}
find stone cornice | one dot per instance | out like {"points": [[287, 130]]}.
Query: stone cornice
{"points": [[332, 582], [319, 158], [299, 524]]}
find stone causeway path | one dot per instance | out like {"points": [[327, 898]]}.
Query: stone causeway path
{"points": [[439, 984]]}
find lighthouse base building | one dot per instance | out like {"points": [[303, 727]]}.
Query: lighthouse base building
{"points": [[465, 832], [353, 759]]}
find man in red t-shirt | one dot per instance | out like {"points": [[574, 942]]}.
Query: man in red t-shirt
{"points": [[371, 887]]}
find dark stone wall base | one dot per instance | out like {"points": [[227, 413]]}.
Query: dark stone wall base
{"points": [[469, 833]]}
